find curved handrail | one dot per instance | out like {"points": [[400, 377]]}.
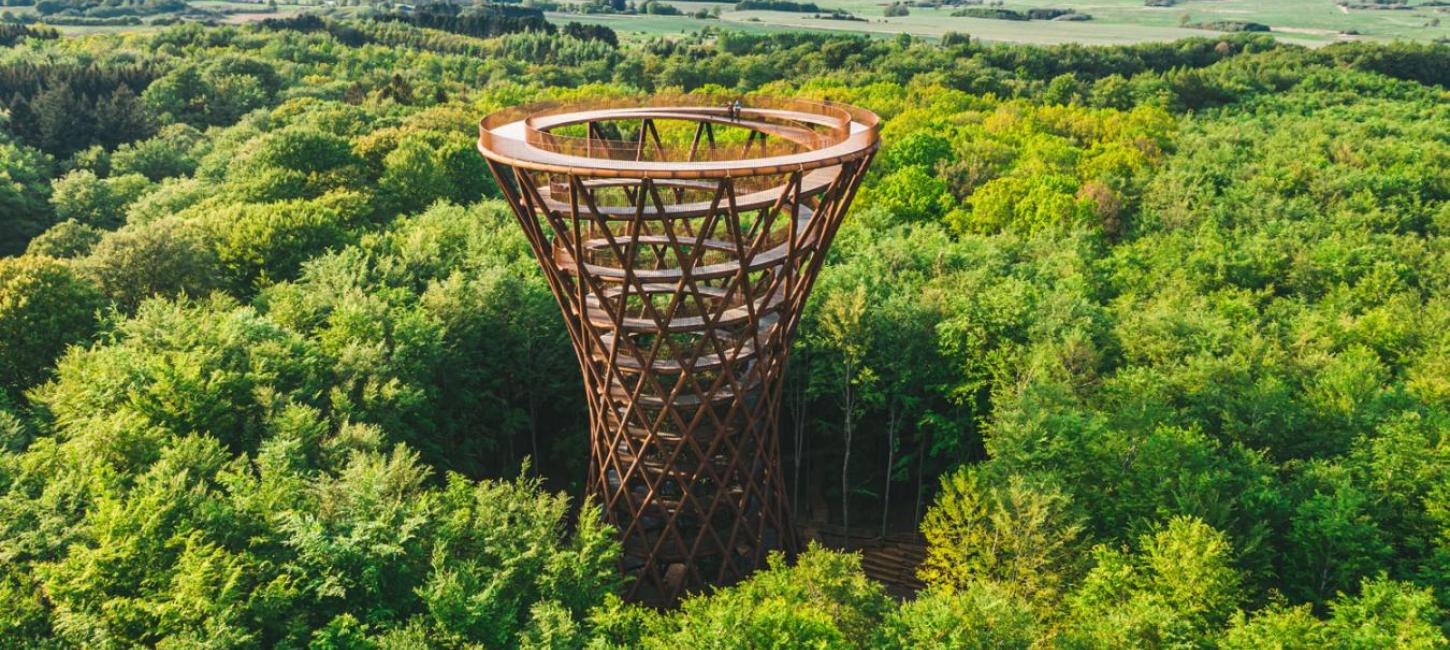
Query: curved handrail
{"points": [[804, 134]]}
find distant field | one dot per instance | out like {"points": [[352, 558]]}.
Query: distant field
{"points": [[238, 12], [246, 12], [1309, 22]]}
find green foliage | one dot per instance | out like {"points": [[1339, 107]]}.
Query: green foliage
{"points": [[23, 195], [172, 152], [918, 148], [911, 193], [1285, 628], [67, 239], [436, 336], [1333, 536], [1017, 534], [501, 571], [1181, 304], [295, 163], [1032, 204], [168, 258], [1387, 614], [261, 243], [170, 197], [218, 91], [824, 601], [96, 202], [426, 167], [979, 615], [178, 368], [1175, 591], [44, 307], [22, 610], [332, 560]]}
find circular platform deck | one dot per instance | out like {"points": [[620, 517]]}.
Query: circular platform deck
{"points": [[821, 134]]}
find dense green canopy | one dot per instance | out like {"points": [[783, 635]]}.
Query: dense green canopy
{"points": [[1152, 343]]}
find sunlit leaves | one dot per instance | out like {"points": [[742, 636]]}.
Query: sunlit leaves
{"points": [[44, 307], [1020, 534]]}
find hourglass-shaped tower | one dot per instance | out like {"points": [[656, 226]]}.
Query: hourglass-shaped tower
{"points": [[681, 236]]}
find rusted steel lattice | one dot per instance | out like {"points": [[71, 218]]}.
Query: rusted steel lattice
{"points": [[681, 236]]}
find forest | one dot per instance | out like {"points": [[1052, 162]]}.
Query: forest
{"points": [[1151, 343]]}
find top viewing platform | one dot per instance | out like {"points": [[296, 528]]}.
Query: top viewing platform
{"points": [[679, 136]]}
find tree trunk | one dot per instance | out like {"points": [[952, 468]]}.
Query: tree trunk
{"points": [[509, 441], [798, 424], [890, 465], [846, 457], [920, 473], [533, 389]]}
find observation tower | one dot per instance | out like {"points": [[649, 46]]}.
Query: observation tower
{"points": [[681, 236]]}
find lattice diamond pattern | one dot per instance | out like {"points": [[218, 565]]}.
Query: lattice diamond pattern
{"points": [[681, 299]]}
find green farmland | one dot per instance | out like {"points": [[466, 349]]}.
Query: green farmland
{"points": [[1307, 22]]}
